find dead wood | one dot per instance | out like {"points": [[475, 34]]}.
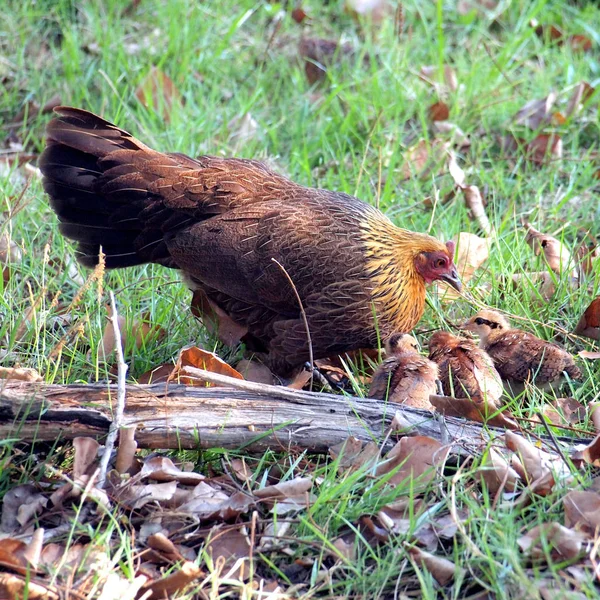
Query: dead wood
{"points": [[255, 418]]}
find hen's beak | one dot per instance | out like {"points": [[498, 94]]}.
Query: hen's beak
{"points": [[453, 279]]}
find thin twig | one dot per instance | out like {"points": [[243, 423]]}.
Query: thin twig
{"points": [[303, 313], [113, 430]]}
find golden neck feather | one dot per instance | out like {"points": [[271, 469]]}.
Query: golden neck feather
{"points": [[398, 290]]}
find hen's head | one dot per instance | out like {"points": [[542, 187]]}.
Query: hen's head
{"points": [[434, 264], [487, 322], [399, 343]]}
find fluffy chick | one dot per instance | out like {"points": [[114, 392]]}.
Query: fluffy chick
{"points": [[520, 356], [404, 376], [465, 370]]}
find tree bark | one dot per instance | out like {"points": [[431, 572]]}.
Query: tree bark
{"points": [[258, 417]]}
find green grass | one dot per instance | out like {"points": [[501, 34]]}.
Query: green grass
{"points": [[350, 134]]}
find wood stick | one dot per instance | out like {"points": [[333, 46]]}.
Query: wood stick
{"points": [[253, 416]]}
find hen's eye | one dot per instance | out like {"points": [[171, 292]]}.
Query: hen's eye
{"points": [[440, 262]]}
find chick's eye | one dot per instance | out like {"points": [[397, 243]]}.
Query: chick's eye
{"points": [[479, 321]]}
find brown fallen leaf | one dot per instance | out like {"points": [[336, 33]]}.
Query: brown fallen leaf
{"points": [[589, 354], [438, 112], [582, 511], [352, 454], [162, 468], [320, 54], [20, 505], [417, 457], [555, 252], [537, 282], [287, 496], [125, 461], [534, 462], [589, 323], [424, 158], [544, 147], [590, 454], [374, 10], [536, 112], [192, 356], [299, 15], [442, 569], [230, 545], [565, 543], [159, 374], [594, 408], [582, 92], [140, 333], [216, 320], [13, 586], [167, 587], [20, 374], [443, 80], [497, 473], [84, 463], [158, 92], [254, 371]]}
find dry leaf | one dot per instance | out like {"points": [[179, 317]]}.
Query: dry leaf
{"points": [[582, 511], [447, 81], [30, 375], [19, 506], [418, 458], [442, 569], [12, 586], [566, 543], [458, 138], [125, 461], [193, 356], [320, 54], [589, 355], [438, 112], [594, 408], [465, 7], [161, 468], [471, 252], [497, 473], [254, 371], [544, 147], [589, 323], [167, 587], [208, 503], [590, 454], [158, 374], [424, 158], [216, 320], [581, 94], [136, 496], [351, 454], [540, 282], [158, 92], [289, 496], [299, 15], [533, 463], [375, 10], [84, 463], [536, 112], [555, 252], [231, 546]]}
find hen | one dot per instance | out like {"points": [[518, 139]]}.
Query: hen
{"points": [[520, 356], [465, 370], [404, 376], [224, 222]]}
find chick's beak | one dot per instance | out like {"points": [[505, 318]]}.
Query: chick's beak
{"points": [[453, 279]]}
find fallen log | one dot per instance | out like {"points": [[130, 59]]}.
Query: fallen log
{"points": [[255, 417]]}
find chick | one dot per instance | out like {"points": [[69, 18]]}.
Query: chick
{"points": [[404, 376], [520, 356], [465, 370]]}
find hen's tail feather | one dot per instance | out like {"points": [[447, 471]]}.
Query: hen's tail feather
{"points": [[92, 174]]}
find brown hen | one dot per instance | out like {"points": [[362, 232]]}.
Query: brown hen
{"points": [[520, 356], [465, 370], [223, 223], [404, 376]]}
